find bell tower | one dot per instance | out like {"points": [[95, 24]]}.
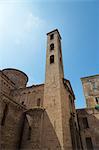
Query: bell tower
{"points": [[54, 92], [54, 64]]}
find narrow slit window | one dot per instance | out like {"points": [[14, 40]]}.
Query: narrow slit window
{"points": [[85, 123], [29, 133], [38, 102], [51, 59], [60, 60], [4, 115], [52, 47]]}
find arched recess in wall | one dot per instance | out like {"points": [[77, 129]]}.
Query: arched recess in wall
{"points": [[52, 46]]}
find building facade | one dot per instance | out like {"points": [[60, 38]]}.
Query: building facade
{"points": [[43, 117], [88, 118]]}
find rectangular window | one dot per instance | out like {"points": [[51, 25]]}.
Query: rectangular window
{"points": [[85, 123], [89, 143]]}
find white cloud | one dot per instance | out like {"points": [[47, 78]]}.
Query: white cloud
{"points": [[33, 22]]}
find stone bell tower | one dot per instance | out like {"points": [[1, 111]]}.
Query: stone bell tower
{"points": [[54, 65], [55, 94]]}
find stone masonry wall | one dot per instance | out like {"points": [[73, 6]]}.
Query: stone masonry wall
{"points": [[92, 129], [30, 95], [91, 90], [10, 130]]}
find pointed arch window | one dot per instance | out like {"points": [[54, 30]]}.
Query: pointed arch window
{"points": [[52, 47]]}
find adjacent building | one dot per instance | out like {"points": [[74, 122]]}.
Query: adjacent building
{"points": [[88, 118]]}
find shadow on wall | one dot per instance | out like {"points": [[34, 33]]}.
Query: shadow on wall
{"points": [[28, 129], [11, 125], [38, 132], [49, 137], [75, 136], [89, 128]]}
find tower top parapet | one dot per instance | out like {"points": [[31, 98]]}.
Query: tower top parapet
{"points": [[55, 30]]}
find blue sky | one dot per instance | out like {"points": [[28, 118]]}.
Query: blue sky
{"points": [[23, 28]]}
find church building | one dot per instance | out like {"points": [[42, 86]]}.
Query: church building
{"points": [[44, 117]]}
